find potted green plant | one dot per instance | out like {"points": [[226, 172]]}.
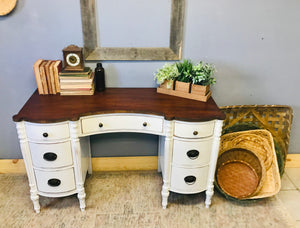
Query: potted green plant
{"points": [[165, 76], [202, 78], [184, 79]]}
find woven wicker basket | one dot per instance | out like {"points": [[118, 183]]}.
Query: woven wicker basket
{"points": [[277, 119], [264, 150], [240, 173], [259, 142]]}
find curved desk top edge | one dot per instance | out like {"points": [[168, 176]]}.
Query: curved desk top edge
{"points": [[56, 108]]}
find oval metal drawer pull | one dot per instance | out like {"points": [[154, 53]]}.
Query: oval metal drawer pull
{"points": [[100, 124], [193, 154], [190, 180], [145, 124], [54, 182], [50, 156], [195, 133], [45, 135]]}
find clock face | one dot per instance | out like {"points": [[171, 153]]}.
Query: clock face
{"points": [[73, 59]]}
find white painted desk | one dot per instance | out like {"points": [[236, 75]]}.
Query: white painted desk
{"points": [[54, 137]]}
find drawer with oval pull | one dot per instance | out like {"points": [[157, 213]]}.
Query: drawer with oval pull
{"points": [[193, 130], [193, 152], [55, 181], [47, 132], [189, 181], [51, 155], [107, 123]]}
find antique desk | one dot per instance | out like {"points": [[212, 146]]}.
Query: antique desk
{"points": [[54, 135]]}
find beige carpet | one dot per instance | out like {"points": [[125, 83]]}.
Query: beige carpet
{"points": [[132, 199]]}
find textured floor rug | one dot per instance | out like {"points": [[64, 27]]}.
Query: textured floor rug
{"points": [[132, 199]]}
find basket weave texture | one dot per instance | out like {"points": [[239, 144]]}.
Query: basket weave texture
{"points": [[240, 173], [274, 124], [277, 119], [260, 142]]}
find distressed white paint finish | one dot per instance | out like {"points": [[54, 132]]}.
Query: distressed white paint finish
{"points": [[167, 159], [193, 130], [28, 164], [183, 146], [66, 176], [61, 149], [182, 137], [57, 131], [213, 162], [71, 168], [179, 185], [78, 167], [122, 122]]}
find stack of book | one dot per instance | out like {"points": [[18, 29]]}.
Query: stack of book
{"points": [[77, 82], [46, 74]]}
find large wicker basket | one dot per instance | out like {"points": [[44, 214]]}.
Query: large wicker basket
{"points": [[259, 142], [275, 118]]}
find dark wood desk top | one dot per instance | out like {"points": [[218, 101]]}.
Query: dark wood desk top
{"points": [[56, 108]]}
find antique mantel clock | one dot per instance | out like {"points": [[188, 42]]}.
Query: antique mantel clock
{"points": [[73, 58]]}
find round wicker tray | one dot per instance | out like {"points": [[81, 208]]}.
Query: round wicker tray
{"points": [[240, 173]]}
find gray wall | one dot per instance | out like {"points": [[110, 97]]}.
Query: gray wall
{"points": [[254, 45]]}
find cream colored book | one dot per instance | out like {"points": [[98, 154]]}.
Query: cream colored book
{"points": [[48, 76], [56, 70], [36, 69], [51, 71], [43, 77]]}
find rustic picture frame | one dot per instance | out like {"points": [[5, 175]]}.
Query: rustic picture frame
{"points": [[93, 51]]}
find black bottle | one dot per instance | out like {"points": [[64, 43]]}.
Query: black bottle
{"points": [[100, 78]]}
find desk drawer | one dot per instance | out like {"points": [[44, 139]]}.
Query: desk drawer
{"points": [[55, 181], [194, 130], [51, 155], [122, 123], [193, 152], [189, 181], [47, 132]]}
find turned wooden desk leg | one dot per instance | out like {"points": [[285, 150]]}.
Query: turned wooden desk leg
{"points": [[35, 200], [78, 169], [213, 162], [28, 165], [167, 156], [81, 197]]}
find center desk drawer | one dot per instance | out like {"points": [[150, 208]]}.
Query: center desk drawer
{"points": [[122, 123], [51, 155]]}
